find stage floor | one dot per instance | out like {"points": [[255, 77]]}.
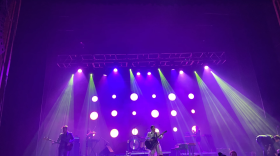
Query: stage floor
{"points": [[168, 153]]}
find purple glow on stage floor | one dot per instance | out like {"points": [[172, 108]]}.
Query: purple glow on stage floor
{"points": [[94, 98], [173, 113], [172, 97], [93, 115], [191, 96], [80, 70], [155, 113], [133, 96], [114, 133]]}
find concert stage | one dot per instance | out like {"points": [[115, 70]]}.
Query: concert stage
{"points": [[169, 153]]}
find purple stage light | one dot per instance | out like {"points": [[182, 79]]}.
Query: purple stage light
{"points": [[80, 70], [134, 131], [206, 67], [157, 130], [154, 96], [133, 96], [172, 69], [114, 133], [104, 75], [114, 113], [115, 69], [134, 113], [194, 129], [181, 72], [173, 113], [155, 113], [191, 96], [171, 96], [138, 73], [94, 98], [93, 115], [114, 96], [193, 111], [149, 73], [175, 129]]}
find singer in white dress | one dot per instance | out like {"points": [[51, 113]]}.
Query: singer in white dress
{"points": [[157, 148]]}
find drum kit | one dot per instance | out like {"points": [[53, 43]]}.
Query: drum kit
{"points": [[137, 143]]}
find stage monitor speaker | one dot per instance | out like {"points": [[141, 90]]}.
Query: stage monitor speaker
{"points": [[107, 151]]}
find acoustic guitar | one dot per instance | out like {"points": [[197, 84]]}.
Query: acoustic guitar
{"points": [[150, 144], [68, 147]]}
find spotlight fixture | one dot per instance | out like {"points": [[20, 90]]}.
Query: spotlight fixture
{"points": [[175, 129], [114, 113], [193, 111], [115, 69], [133, 96], [134, 113], [181, 72], [155, 113], [93, 115], [171, 96], [94, 98], [206, 67], [191, 96], [173, 113], [114, 96], [149, 73], [80, 70], [104, 75], [114, 133], [134, 131], [154, 96], [138, 73]]}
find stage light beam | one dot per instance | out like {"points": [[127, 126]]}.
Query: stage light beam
{"points": [[206, 67], [181, 72]]}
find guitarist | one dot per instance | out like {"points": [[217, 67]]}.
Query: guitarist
{"points": [[65, 139], [149, 137]]}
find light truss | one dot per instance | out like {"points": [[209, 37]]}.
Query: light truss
{"points": [[141, 60]]}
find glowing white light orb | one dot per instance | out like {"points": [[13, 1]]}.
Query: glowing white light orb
{"points": [[157, 130], [155, 113], [206, 67], [93, 134], [194, 129], [149, 73], [115, 70], [114, 133], [114, 96], [154, 96], [193, 111], [93, 115], [133, 96], [94, 98], [175, 129], [104, 75], [134, 113], [134, 131], [171, 96], [114, 113], [191, 96], [181, 72], [138, 73], [173, 113], [80, 70]]}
